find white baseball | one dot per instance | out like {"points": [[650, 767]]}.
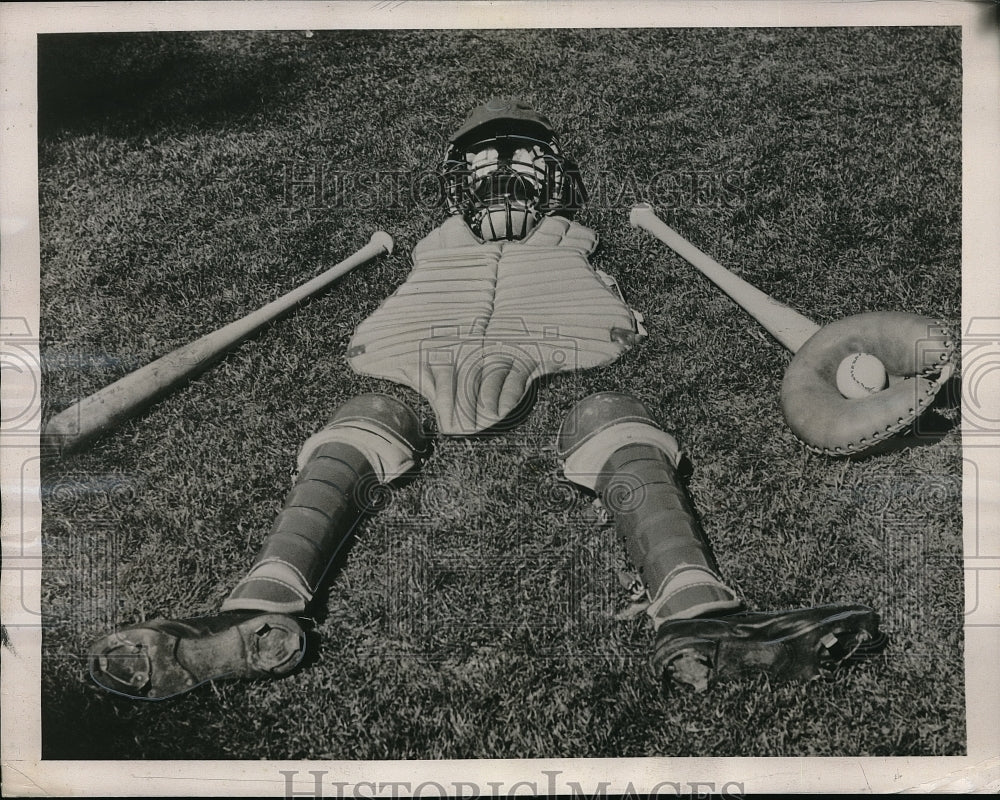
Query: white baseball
{"points": [[861, 374], [529, 162], [484, 162]]}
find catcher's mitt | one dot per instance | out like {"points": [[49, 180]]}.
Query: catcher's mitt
{"points": [[917, 354]]}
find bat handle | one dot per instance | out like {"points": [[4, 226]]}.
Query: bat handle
{"points": [[785, 324]]}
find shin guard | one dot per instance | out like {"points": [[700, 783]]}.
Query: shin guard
{"points": [[370, 440], [610, 444]]}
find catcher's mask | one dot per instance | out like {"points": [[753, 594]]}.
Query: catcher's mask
{"points": [[503, 171]]}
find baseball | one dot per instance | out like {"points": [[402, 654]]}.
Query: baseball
{"points": [[861, 374], [484, 162]]}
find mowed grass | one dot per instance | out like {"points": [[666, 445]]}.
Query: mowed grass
{"points": [[473, 616]]}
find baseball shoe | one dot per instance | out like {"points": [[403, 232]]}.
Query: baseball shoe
{"points": [[788, 645], [162, 658]]}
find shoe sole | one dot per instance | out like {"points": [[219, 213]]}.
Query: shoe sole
{"points": [[162, 659], [706, 650]]}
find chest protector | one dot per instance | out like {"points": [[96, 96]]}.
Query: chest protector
{"points": [[476, 322]]}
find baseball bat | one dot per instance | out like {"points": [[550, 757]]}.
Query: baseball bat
{"points": [[107, 408], [785, 324]]}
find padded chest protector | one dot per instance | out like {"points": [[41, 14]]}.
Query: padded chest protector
{"points": [[476, 322]]}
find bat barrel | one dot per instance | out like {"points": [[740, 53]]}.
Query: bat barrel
{"points": [[785, 324], [109, 407]]}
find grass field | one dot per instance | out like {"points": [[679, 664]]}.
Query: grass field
{"points": [[186, 179]]}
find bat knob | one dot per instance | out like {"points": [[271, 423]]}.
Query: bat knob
{"points": [[383, 240], [638, 211]]}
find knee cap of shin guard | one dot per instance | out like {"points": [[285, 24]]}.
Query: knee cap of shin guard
{"points": [[384, 430], [386, 413], [596, 413], [599, 425]]}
